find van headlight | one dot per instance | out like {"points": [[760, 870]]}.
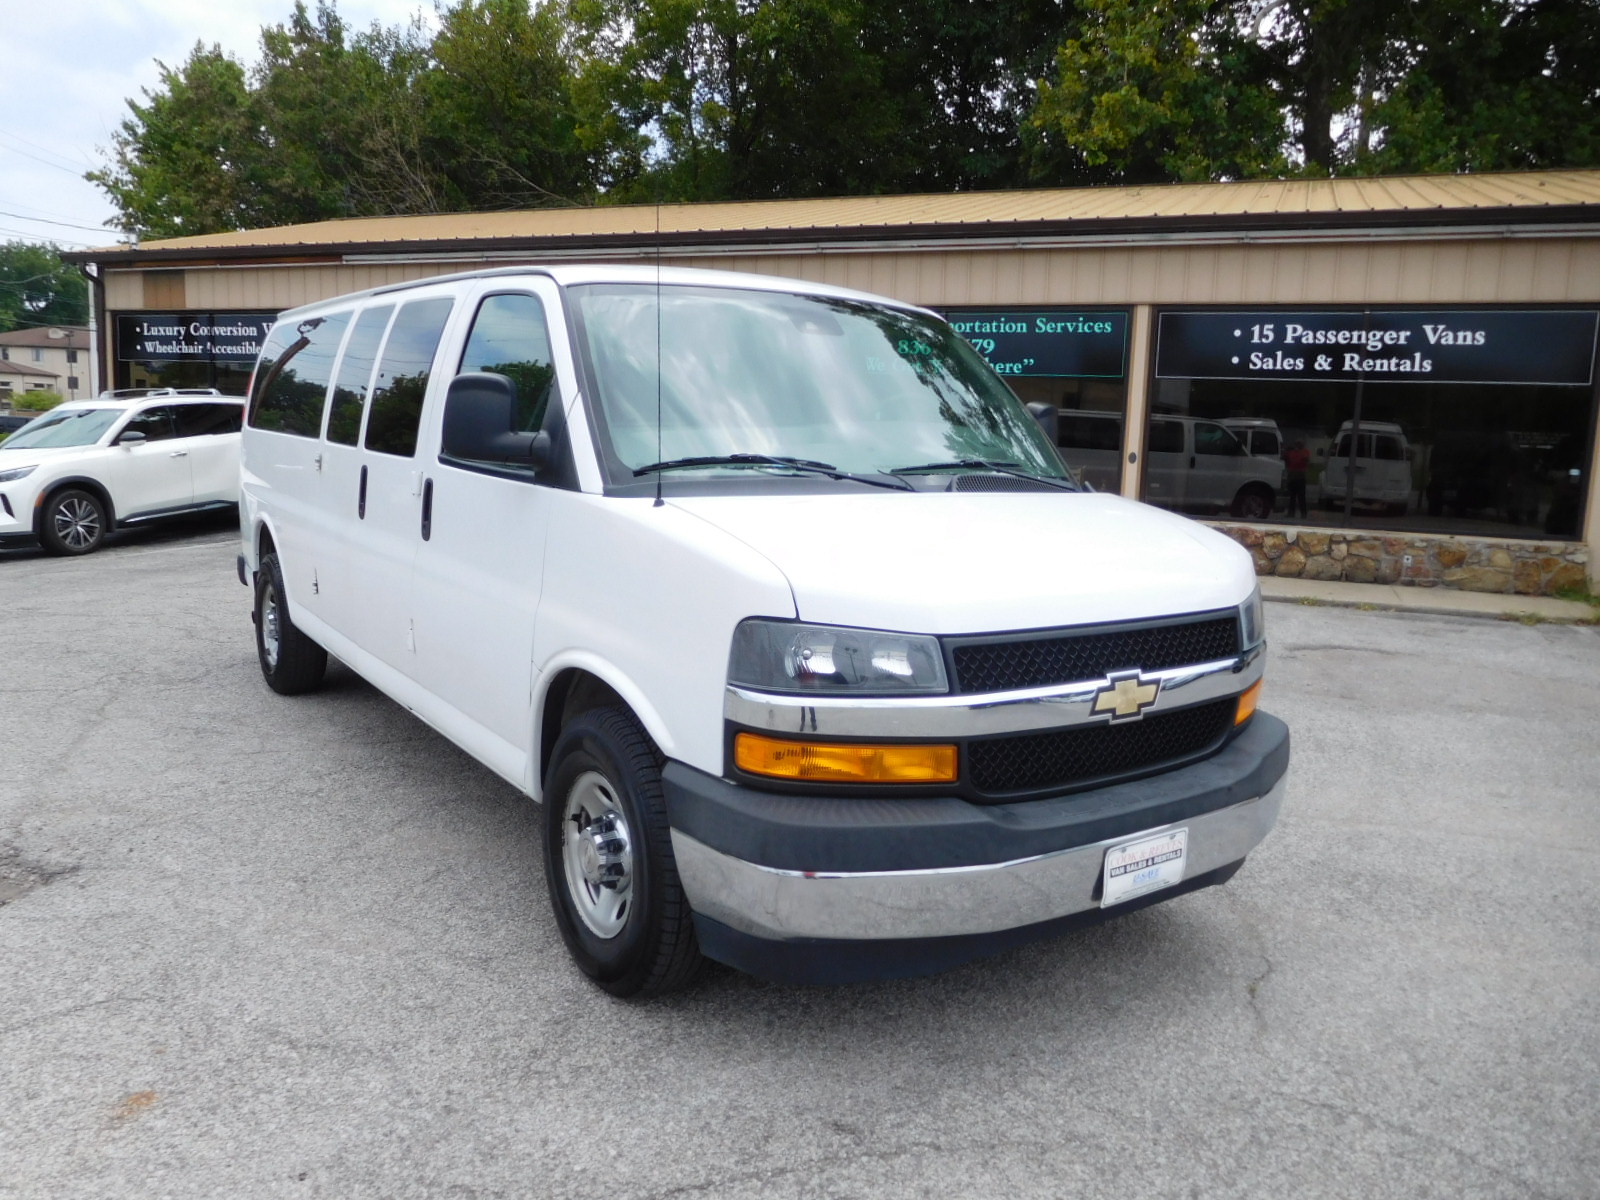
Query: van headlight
{"points": [[1252, 626], [15, 473], [784, 656]]}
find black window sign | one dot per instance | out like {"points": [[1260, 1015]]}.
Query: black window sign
{"points": [[1404, 347], [192, 336], [1046, 342]]}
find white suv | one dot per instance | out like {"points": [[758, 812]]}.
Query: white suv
{"points": [[71, 476]]}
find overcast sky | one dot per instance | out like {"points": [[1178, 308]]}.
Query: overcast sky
{"points": [[71, 67]]}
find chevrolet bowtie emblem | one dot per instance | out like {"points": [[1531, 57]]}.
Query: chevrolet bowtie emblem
{"points": [[1125, 696]]}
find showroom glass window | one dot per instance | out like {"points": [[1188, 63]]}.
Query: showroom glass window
{"points": [[1073, 360], [1470, 421]]}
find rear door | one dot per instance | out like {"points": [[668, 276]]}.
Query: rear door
{"points": [[282, 453], [152, 475], [210, 431], [341, 495], [382, 553]]}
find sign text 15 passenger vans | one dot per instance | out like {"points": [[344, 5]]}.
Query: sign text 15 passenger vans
{"points": [[777, 599]]}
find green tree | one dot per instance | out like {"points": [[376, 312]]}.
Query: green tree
{"points": [[191, 158], [1147, 93], [343, 114], [37, 288], [500, 107], [733, 99], [1200, 89]]}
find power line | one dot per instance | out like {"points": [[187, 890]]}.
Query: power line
{"points": [[63, 224], [17, 137]]}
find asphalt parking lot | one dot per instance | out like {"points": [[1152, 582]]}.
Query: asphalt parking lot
{"points": [[253, 946]]}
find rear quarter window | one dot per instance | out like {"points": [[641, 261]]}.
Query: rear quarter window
{"points": [[292, 381]]}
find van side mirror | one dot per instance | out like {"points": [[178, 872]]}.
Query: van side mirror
{"points": [[1048, 416], [131, 437], [480, 410]]}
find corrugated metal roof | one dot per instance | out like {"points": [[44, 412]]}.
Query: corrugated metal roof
{"points": [[973, 214]]}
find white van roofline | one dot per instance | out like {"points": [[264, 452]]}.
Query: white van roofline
{"points": [[564, 276]]}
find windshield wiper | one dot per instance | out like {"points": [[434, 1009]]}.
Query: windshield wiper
{"points": [[1000, 467], [805, 465]]}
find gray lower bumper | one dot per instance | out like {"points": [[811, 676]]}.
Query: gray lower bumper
{"points": [[774, 903]]}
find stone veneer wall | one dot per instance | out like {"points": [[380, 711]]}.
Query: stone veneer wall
{"points": [[1417, 560]]}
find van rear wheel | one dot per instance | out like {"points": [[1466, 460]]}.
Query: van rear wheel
{"points": [[290, 661], [608, 859]]}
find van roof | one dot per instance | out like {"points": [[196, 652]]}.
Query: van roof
{"points": [[1375, 427], [569, 275]]}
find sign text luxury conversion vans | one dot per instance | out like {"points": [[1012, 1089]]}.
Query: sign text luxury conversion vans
{"points": [[779, 601]]}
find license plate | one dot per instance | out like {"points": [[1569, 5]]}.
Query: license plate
{"points": [[1147, 865]]}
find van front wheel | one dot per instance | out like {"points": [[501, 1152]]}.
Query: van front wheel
{"points": [[608, 859], [1253, 503], [290, 661]]}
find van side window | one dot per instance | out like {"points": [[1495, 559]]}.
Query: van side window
{"points": [[296, 365], [1214, 439], [403, 376], [1389, 449], [510, 337], [355, 375], [1090, 433], [1166, 437]]}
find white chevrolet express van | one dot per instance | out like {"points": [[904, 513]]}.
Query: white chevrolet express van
{"points": [[778, 600]]}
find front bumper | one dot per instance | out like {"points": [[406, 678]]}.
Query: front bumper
{"points": [[913, 885]]}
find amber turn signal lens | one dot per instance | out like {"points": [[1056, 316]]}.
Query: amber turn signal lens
{"points": [[1247, 702], [839, 762]]}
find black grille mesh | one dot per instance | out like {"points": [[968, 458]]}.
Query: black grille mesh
{"points": [[1000, 483], [1065, 757], [1074, 657]]}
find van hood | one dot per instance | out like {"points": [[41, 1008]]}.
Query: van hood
{"points": [[954, 562]]}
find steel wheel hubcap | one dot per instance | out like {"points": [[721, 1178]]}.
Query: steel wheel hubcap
{"points": [[597, 855], [77, 523], [269, 626]]}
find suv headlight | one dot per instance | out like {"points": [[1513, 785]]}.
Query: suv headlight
{"points": [[15, 473], [784, 656], [1252, 626]]}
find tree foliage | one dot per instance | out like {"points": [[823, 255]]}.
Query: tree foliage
{"points": [[38, 289], [516, 103]]}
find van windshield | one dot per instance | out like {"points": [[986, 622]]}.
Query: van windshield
{"points": [[64, 427], [865, 388]]}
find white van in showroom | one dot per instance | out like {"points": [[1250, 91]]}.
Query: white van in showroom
{"points": [[775, 596], [1191, 464]]}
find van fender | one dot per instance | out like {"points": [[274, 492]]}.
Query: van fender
{"points": [[610, 675]]}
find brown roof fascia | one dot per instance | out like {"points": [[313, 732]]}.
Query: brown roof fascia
{"points": [[1517, 215]]}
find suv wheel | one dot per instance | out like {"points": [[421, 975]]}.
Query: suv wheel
{"points": [[73, 522]]}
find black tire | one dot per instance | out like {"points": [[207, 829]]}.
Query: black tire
{"points": [[73, 522], [608, 859], [1253, 503], [290, 661]]}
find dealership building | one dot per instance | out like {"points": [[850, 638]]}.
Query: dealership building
{"points": [[1383, 380]]}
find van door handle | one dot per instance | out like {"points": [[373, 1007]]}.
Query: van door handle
{"points": [[427, 509], [178, 454], [361, 500], [1191, 462]]}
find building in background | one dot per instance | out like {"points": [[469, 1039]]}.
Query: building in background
{"points": [[52, 358], [1425, 344]]}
